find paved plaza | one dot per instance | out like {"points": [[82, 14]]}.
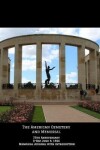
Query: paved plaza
{"points": [[64, 113]]}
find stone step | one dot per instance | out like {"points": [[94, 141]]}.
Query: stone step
{"points": [[22, 97], [49, 102]]}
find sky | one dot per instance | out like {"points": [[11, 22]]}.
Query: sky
{"points": [[50, 53]]}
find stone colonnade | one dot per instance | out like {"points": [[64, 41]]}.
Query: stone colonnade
{"points": [[62, 40], [92, 69]]}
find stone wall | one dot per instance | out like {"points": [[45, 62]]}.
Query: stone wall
{"points": [[45, 94]]}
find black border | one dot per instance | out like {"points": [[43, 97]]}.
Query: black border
{"points": [[85, 135], [49, 18]]}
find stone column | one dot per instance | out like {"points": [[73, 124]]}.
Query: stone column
{"points": [[86, 72], [81, 66], [8, 70], [0, 72], [93, 67], [38, 70], [4, 67], [87, 69], [98, 70], [99, 73], [62, 73], [18, 66]]}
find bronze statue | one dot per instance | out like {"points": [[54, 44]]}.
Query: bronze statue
{"points": [[47, 73]]}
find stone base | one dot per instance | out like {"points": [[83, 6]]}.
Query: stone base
{"points": [[44, 94]]}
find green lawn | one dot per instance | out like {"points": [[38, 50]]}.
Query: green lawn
{"points": [[87, 111], [4, 108], [38, 115]]}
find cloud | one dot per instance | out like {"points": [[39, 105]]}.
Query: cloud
{"points": [[90, 33], [72, 75], [49, 52], [25, 80], [70, 78], [28, 65], [12, 32], [65, 31], [29, 51], [11, 50]]}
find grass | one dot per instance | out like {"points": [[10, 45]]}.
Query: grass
{"points": [[87, 111], [4, 109], [38, 115]]}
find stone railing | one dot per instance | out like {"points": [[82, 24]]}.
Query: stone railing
{"points": [[7, 86], [90, 86], [28, 85], [73, 85]]}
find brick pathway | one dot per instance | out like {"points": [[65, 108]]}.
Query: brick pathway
{"points": [[64, 113]]}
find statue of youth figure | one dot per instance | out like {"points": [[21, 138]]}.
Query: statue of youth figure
{"points": [[47, 73]]}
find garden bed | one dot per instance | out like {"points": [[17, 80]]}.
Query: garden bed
{"points": [[91, 105], [20, 112]]}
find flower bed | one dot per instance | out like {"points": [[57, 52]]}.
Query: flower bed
{"points": [[19, 113], [95, 106]]}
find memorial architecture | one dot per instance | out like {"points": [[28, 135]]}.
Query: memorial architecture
{"points": [[88, 67]]}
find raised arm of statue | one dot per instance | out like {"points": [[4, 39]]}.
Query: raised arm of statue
{"points": [[52, 68], [45, 64]]}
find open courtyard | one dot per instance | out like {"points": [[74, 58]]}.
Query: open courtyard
{"points": [[28, 112]]}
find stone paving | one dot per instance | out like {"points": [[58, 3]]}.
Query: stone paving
{"points": [[65, 113]]}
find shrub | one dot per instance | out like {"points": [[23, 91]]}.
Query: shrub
{"points": [[95, 106]]}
